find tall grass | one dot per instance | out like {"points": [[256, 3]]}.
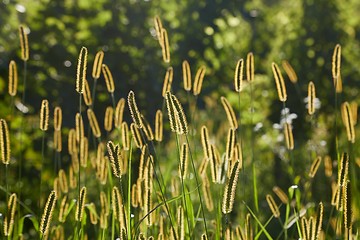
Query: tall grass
{"points": [[108, 191]]}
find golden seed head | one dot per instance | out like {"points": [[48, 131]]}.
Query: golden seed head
{"points": [[354, 111], [109, 80], [136, 135], [238, 78], [335, 69], [115, 158], [273, 206], [250, 72], [48, 212], [186, 75], [289, 138], [184, 159], [109, 116], [57, 118], [158, 126], [165, 45], [319, 220], [87, 94], [119, 113], [24, 44], [96, 71], [171, 111], [205, 142], [158, 27], [10, 216], [290, 71], [4, 142], [348, 213], [311, 98], [343, 169], [135, 113], [281, 195], [199, 77], [314, 167], [93, 213], [117, 204], [44, 115], [229, 113], [72, 142], [125, 137], [147, 129], [230, 144], [81, 70], [104, 203], [63, 181], [63, 209], [84, 151], [280, 84], [80, 205], [94, 125], [180, 118], [328, 166], [79, 127], [13, 78], [167, 81], [230, 189], [348, 121], [207, 193], [57, 141]]}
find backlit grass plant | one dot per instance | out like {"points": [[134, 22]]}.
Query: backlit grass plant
{"points": [[181, 175]]}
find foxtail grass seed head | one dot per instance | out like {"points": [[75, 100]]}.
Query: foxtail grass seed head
{"points": [[238, 78], [158, 126], [165, 45], [213, 163], [328, 166], [348, 121], [84, 151], [115, 158], [125, 137], [72, 148], [186, 75], [169, 75], [104, 203], [63, 181], [57, 141], [198, 81], [181, 223], [205, 142], [135, 113], [171, 112], [109, 80], [334, 194], [48, 213], [250, 70], [343, 169], [4, 142], [354, 111], [158, 27], [289, 138], [134, 198], [319, 220], [13, 78], [229, 113], [117, 204], [87, 94], [147, 129], [81, 70], [281, 195], [119, 113], [44, 115], [180, 118], [230, 144], [94, 125], [230, 189], [311, 98], [75, 162], [80, 205], [207, 193], [273, 206], [93, 214], [10, 216], [280, 84], [79, 127], [103, 221], [136, 135], [109, 116], [96, 71], [184, 160], [348, 213], [290, 71], [63, 209], [72, 178], [335, 69], [24, 44], [143, 156], [57, 118], [314, 167]]}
